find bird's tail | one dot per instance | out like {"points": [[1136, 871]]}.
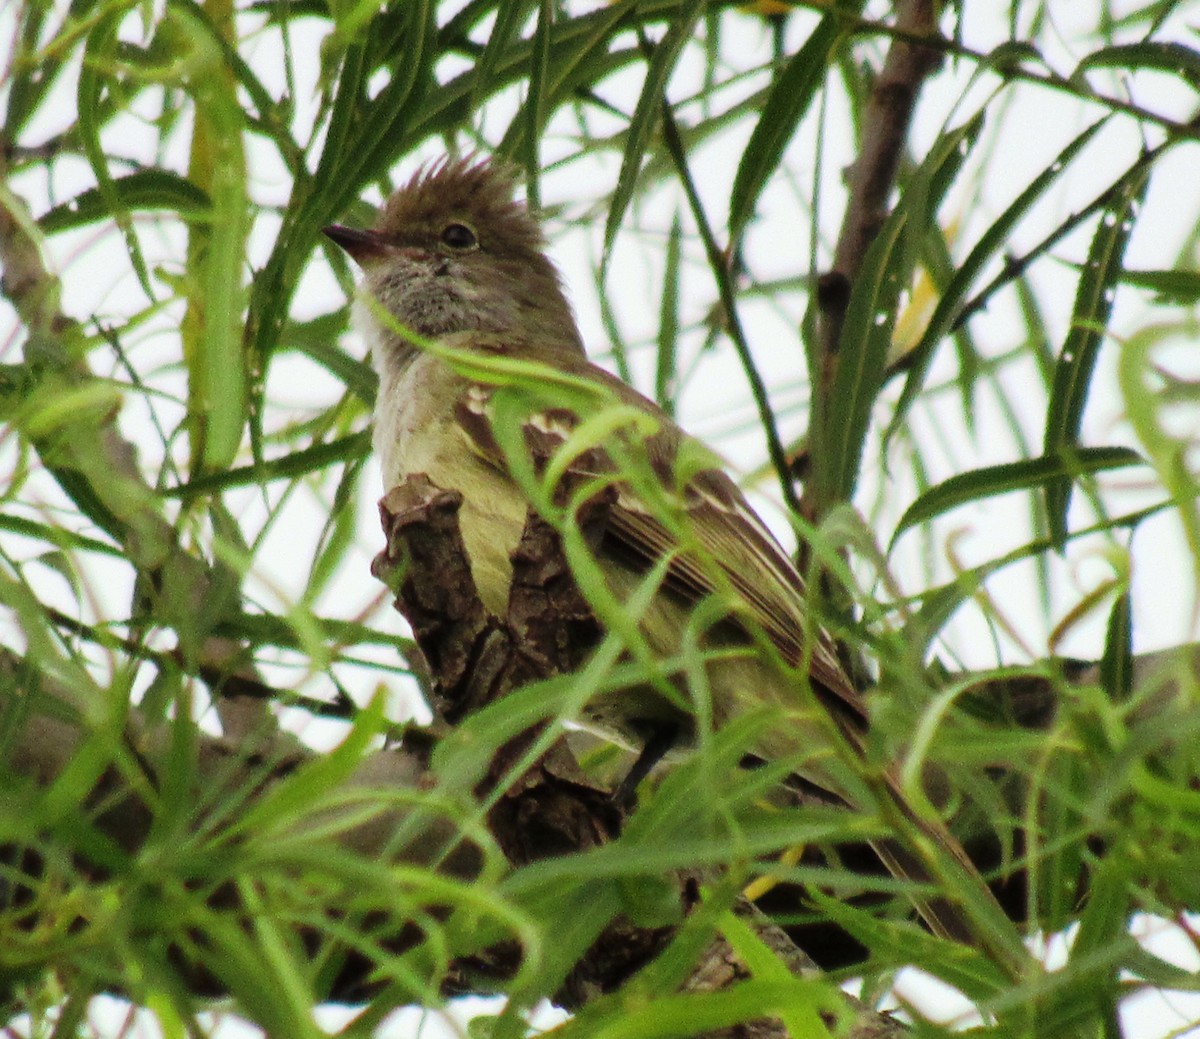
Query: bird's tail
{"points": [[945, 917]]}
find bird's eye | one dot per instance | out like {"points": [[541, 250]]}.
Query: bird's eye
{"points": [[459, 236]]}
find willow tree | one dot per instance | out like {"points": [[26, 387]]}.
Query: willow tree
{"points": [[924, 273]]}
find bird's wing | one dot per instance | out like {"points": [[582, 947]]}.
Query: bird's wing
{"points": [[729, 535]]}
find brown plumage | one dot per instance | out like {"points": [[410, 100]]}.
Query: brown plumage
{"points": [[499, 279], [455, 259]]}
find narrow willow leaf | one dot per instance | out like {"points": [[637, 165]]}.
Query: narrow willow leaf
{"points": [[646, 114], [338, 535], [358, 149], [213, 326], [344, 114], [537, 103], [1172, 286], [974, 974], [510, 16], [290, 466], [1027, 474], [918, 359], [270, 294], [665, 373], [1098, 951], [296, 794], [928, 186], [1013, 55], [382, 134], [1116, 666], [318, 339], [100, 53], [29, 82], [267, 629], [1172, 58], [841, 419], [576, 44], [1057, 850], [733, 1011], [64, 539], [79, 489], [810, 1006], [1140, 381], [146, 190], [790, 97], [1089, 322]]}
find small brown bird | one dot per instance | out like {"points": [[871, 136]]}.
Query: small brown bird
{"points": [[454, 259]]}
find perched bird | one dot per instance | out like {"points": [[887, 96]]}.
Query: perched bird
{"points": [[455, 260]]}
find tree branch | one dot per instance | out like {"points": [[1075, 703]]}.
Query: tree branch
{"points": [[174, 584], [552, 810], [871, 179]]}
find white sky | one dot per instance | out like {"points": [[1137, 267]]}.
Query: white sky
{"points": [[716, 403]]}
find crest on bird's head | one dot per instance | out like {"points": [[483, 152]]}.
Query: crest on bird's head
{"points": [[480, 193]]}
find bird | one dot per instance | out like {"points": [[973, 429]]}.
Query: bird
{"points": [[455, 268]]}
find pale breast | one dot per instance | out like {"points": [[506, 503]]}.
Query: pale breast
{"points": [[416, 432]]}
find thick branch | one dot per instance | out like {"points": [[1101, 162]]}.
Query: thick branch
{"points": [[552, 810]]}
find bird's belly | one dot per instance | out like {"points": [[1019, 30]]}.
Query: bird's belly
{"points": [[414, 437], [492, 515]]}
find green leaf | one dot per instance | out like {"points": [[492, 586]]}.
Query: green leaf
{"points": [[1172, 58], [338, 535], [1172, 286], [29, 81], [842, 417], [645, 116], [382, 127], [1140, 380], [307, 787], [64, 539], [216, 284], [289, 466], [969, 971], [1011, 476], [100, 54], [940, 603], [790, 97], [1089, 323], [813, 1001], [145, 190], [510, 16], [1116, 666], [927, 187], [665, 373], [318, 339], [840, 423], [995, 238], [563, 66], [537, 102], [581, 51], [363, 141], [1057, 849]]}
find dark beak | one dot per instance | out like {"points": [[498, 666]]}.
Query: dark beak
{"points": [[362, 246]]}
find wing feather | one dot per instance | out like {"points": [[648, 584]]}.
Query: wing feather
{"points": [[729, 533]]}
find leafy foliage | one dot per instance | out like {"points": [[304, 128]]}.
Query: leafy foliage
{"points": [[183, 496]]}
